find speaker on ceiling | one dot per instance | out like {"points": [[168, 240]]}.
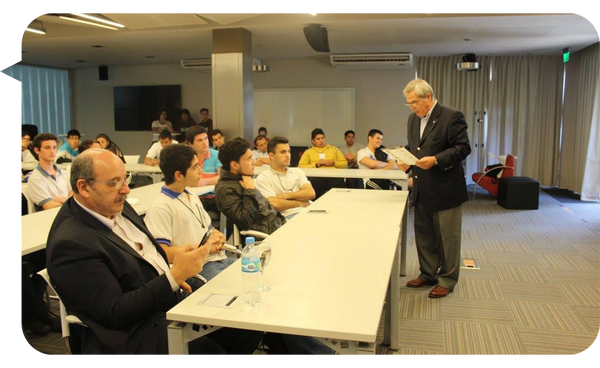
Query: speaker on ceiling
{"points": [[103, 72], [316, 35]]}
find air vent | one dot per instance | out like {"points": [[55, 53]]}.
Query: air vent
{"points": [[372, 61], [196, 63]]}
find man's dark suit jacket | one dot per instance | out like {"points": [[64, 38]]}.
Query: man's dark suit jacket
{"points": [[445, 136], [113, 290]]}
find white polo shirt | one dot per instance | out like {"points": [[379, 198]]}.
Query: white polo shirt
{"points": [[270, 183], [256, 154], [156, 148], [177, 219], [42, 187], [366, 152]]}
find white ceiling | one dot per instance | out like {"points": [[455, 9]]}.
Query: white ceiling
{"points": [[168, 38]]}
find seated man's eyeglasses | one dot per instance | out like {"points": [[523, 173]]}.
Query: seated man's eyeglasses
{"points": [[118, 184]]}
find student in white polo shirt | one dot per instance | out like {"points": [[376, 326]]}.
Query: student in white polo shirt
{"points": [[48, 186], [176, 216], [153, 155], [287, 189]]}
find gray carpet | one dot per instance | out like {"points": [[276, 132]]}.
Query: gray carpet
{"points": [[537, 290]]}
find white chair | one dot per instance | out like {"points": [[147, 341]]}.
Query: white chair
{"points": [[235, 236], [131, 159], [65, 319]]}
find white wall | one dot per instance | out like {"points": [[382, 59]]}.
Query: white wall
{"points": [[379, 100]]}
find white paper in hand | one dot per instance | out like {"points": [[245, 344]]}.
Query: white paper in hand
{"points": [[401, 154]]}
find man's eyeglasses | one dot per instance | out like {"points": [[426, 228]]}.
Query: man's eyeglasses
{"points": [[414, 103], [117, 184]]}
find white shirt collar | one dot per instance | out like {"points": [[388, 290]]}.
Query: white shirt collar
{"points": [[110, 223]]}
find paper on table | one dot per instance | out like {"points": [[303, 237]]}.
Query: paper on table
{"points": [[401, 154]]}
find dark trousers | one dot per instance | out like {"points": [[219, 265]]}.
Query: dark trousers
{"points": [[323, 185], [438, 237]]}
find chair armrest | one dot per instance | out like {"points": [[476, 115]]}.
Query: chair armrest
{"points": [[256, 234]]}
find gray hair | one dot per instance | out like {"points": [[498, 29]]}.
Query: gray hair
{"points": [[419, 86], [82, 168]]}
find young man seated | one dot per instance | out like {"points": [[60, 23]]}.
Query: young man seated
{"points": [[176, 216], [260, 154], [48, 186], [373, 158], [235, 192], [218, 138], [287, 188], [70, 149], [26, 155], [323, 156], [153, 155]]}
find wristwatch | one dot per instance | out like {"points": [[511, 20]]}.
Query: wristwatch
{"points": [[435, 162]]}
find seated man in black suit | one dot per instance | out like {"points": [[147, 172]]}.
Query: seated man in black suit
{"points": [[111, 273]]}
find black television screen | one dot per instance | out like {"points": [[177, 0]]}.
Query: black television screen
{"points": [[136, 107]]}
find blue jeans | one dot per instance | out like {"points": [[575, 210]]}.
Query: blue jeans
{"points": [[209, 271]]}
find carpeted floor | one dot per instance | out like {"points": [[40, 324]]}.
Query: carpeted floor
{"points": [[537, 290]]}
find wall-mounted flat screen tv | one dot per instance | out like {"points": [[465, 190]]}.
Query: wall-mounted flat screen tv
{"points": [[136, 107]]}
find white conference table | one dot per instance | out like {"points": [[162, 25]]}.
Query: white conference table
{"points": [[153, 171], [327, 281], [397, 175], [35, 226]]}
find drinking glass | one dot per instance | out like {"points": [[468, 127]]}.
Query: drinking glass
{"points": [[264, 251]]}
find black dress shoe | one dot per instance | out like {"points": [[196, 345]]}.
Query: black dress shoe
{"points": [[35, 327], [51, 321]]}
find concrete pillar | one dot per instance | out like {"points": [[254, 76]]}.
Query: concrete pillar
{"points": [[232, 88]]}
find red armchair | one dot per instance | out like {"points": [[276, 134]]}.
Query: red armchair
{"points": [[488, 180]]}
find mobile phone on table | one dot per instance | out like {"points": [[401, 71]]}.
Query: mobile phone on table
{"points": [[206, 237]]}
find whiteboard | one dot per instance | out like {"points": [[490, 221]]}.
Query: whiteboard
{"points": [[294, 112]]}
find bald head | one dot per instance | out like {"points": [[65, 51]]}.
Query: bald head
{"points": [[88, 162], [98, 179]]}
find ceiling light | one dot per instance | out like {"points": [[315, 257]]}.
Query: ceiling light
{"points": [[86, 22], [99, 19], [36, 27]]}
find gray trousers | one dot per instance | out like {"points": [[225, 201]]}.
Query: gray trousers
{"points": [[438, 235]]}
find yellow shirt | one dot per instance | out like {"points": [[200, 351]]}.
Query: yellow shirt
{"points": [[311, 157]]}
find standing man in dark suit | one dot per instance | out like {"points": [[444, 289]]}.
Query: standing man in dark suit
{"points": [[111, 273], [437, 136]]}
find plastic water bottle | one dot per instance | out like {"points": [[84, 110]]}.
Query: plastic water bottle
{"points": [[251, 276]]}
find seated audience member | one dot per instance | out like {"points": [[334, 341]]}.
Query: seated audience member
{"points": [[323, 156], [48, 186], [373, 158], [162, 123], [186, 121], [25, 154], [261, 131], [206, 121], [87, 144], [111, 273], [235, 192], [249, 210], [286, 188], [176, 217], [153, 155], [350, 150], [217, 137], [260, 154], [70, 149], [197, 137], [109, 145]]}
